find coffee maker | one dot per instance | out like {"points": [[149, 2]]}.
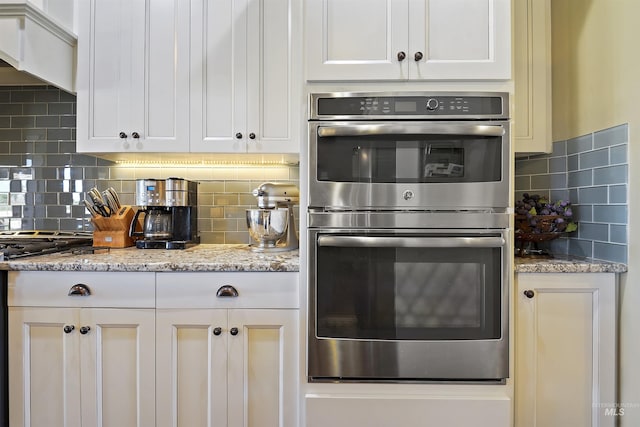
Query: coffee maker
{"points": [[170, 214]]}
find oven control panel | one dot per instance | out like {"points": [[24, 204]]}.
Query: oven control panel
{"points": [[408, 106]]}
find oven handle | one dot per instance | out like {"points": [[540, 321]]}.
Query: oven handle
{"points": [[410, 242], [411, 129]]}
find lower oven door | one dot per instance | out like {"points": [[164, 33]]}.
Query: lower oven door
{"points": [[408, 306]]}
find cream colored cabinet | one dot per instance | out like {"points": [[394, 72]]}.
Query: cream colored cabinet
{"points": [[133, 76], [244, 76], [75, 362], [227, 351], [408, 40], [565, 350], [532, 76]]}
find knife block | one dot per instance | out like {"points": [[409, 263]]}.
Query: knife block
{"points": [[113, 231]]}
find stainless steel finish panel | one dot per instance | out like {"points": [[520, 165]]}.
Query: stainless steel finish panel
{"points": [[401, 128], [473, 360], [151, 192], [410, 242], [402, 220], [313, 104], [396, 196]]}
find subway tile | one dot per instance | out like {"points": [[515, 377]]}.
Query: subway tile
{"points": [[39, 109], [580, 179], [593, 231], [557, 164], [236, 237], [34, 160], [522, 183], [47, 95], [22, 122], [582, 248], [46, 198], [5, 147], [5, 122], [558, 181], [573, 162], [4, 173], [594, 159], [60, 108], [592, 195], [583, 212], [580, 144], [10, 134], [96, 173], [47, 121], [559, 148], [58, 211], [22, 96], [610, 175], [10, 109], [559, 246], [618, 233], [4, 95], [238, 187], [212, 238], [559, 195], [67, 121], [618, 154], [616, 214], [540, 182], [612, 136], [610, 252], [66, 147], [34, 134], [618, 194], [59, 134], [59, 160], [83, 160], [67, 97], [224, 224], [46, 224]]}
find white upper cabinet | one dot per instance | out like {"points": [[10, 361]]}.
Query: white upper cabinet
{"points": [[243, 76], [133, 76], [408, 40]]}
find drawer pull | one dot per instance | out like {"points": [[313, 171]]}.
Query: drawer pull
{"points": [[217, 331], [227, 291], [68, 329], [233, 331], [79, 289], [84, 330]]}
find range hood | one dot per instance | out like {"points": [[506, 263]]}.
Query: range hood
{"points": [[35, 43]]}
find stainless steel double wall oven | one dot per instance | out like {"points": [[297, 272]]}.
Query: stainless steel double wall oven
{"points": [[408, 237]]}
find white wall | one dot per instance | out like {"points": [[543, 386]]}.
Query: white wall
{"points": [[596, 85]]}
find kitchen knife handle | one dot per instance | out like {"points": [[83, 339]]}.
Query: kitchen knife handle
{"points": [[227, 291], [79, 289]]}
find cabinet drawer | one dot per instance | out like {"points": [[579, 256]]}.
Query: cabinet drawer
{"points": [[255, 290], [108, 289]]}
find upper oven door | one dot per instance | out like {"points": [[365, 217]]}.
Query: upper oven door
{"points": [[409, 164]]}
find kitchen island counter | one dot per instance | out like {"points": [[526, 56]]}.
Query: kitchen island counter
{"points": [[566, 264], [203, 257]]}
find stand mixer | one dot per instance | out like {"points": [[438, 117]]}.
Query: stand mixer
{"points": [[272, 226]]}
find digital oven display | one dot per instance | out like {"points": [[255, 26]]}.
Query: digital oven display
{"points": [[406, 107]]}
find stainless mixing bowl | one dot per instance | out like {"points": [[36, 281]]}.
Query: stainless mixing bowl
{"points": [[267, 226]]}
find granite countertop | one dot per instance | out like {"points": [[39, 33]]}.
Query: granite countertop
{"points": [[202, 257], [566, 264]]}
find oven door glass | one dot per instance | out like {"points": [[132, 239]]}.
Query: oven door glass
{"points": [[378, 287], [409, 153]]}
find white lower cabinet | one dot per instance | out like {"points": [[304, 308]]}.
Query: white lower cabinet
{"points": [[227, 360], [73, 362], [565, 350]]}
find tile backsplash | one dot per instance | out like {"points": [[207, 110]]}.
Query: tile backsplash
{"points": [[43, 180], [592, 172]]}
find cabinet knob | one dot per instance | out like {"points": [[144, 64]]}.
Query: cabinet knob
{"points": [[122, 135], [418, 56], [79, 289], [227, 291], [529, 293], [233, 331], [252, 135], [135, 135], [84, 330], [217, 331], [238, 135], [401, 56], [68, 329]]}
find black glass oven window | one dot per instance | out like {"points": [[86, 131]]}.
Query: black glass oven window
{"points": [[430, 159], [408, 293]]}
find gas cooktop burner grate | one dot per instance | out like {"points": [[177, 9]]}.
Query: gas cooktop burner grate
{"points": [[24, 243]]}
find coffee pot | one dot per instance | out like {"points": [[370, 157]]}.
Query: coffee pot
{"points": [[157, 223]]}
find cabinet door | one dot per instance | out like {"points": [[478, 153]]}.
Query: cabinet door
{"points": [[356, 39], [459, 39], [532, 76], [133, 76], [118, 367], [263, 368], [565, 350], [218, 75], [191, 362], [273, 76], [44, 374]]}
